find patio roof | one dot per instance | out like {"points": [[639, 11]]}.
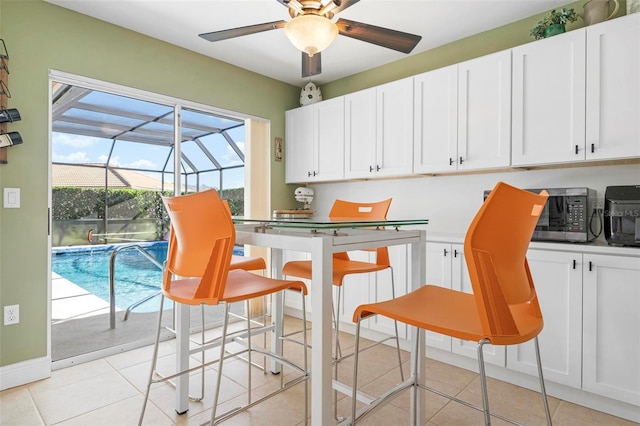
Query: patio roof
{"points": [[119, 126]]}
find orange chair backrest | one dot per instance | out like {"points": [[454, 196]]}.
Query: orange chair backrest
{"points": [[201, 242], [342, 209], [495, 250], [349, 210]]}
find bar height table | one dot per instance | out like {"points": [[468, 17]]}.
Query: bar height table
{"points": [[320, 237]]}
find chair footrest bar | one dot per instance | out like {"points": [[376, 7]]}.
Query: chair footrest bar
{"points": [[348, 390], [379, 342], [214, 343], [238, 410], [173, 385], [467, 404], [380, 401]]}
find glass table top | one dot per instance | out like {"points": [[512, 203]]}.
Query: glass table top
{"points": [[327, 223]]}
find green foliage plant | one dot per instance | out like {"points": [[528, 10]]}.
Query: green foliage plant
{"points": [[554, 17]]}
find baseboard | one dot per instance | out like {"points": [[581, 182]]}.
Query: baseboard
{"points": [[21, 373]]}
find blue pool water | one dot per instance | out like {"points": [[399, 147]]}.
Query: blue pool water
{"points": [[136, 277]]}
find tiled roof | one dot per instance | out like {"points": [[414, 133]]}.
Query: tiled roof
{"points": [[94, 177]]}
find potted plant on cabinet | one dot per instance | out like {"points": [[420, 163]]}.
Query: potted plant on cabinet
{"points": [[553, 23]]}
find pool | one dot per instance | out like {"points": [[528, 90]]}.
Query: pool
{"points": [[136, 276]]}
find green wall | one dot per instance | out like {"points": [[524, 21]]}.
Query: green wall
{"points": [[41, 36], [491, 41]]}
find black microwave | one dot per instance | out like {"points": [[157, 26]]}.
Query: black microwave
{"points": [[566, 216]]}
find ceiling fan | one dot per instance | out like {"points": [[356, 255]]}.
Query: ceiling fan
{"points": [[312, 30]]}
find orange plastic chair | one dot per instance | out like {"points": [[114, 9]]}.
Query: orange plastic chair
{"points": [[343, 265], [503, 309], [248, 263], [198, 272]]}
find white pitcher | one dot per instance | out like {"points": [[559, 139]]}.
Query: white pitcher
{"points": [[598, 11]]}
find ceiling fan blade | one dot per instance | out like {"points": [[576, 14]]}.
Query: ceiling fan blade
{"points": [[242, 31], [311, 65], [344, 4], [392, 39]]}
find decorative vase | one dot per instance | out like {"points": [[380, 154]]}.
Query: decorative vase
{"points": [[598, 11], [554, 29]]}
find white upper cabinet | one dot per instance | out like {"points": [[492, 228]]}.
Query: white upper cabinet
{"points": [[394, 138], [548, 122], [315, 142], [436, 121], [379, 131], [463, 116], [613, 89], [298, 144], [484, 112], [359, 133]]}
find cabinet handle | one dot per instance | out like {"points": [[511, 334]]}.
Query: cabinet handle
{"points": [[445, 252], [314, 173], [590, 266], [574, 264], [377, 168], [576, 149], [370, 169], [455, 253], [593, 148], [461, 160], [450, 161], [308, 174]]}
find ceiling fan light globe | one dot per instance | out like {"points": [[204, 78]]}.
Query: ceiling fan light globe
{"points": [[311, 33]]}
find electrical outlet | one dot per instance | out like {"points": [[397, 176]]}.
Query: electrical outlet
{"points": [[11, 314]]}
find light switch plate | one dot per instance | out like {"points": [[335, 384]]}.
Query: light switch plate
{"points": [[11, 198]]}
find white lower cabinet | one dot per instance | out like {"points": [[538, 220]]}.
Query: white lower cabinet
{"points": [[461, 282], [439, 267], [358, 289], [611, 333], [445, 266], [557, 278]]}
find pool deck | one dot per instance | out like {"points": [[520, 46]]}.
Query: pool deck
{"points": [[70, 301]]}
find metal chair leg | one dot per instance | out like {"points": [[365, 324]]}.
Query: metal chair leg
{"points": [[248, 353], [395, 323], [225, 323], [356, 353], [542, 387], [483, 382], [154, 360]]}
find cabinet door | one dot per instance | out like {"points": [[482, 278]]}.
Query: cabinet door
{"points": [[549, 100], [436, 121], [484, 112], [381, 289], [557, 278], [298, 145], [394, 136], [360, 134], [462, 282], [329, 143], [613, 89], [438, 272], [611, 333]]}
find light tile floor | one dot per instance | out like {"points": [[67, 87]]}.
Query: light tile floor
{"points": [[109, 391]]}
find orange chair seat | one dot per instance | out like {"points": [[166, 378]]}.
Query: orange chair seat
{"points": [[430, 308], [341, 267], [241, 285], [248, 263]]}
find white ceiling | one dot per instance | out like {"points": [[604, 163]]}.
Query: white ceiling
{"points": [[270, 53]]}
